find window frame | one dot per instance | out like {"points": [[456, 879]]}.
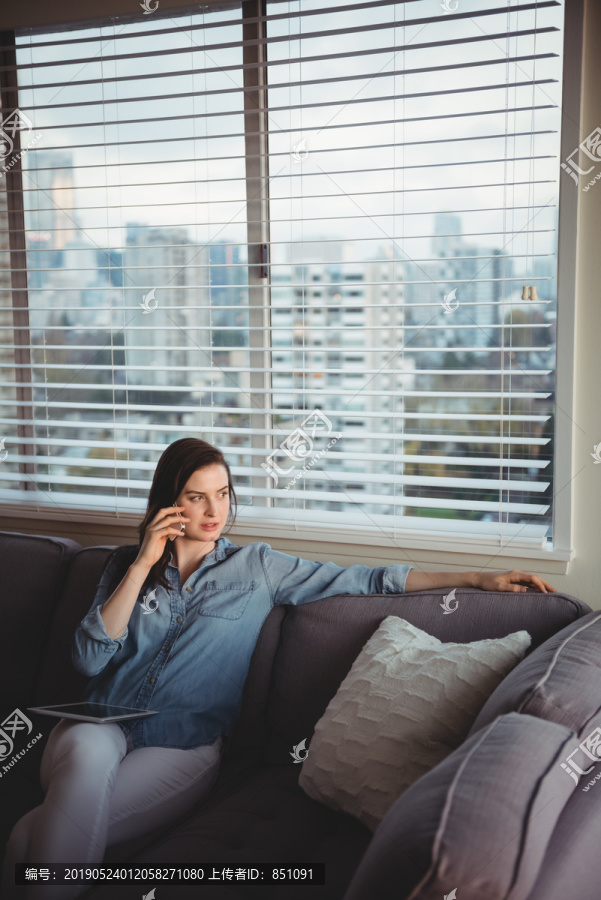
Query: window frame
{"points": [[267, 524]]}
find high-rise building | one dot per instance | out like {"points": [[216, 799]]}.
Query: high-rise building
{"points": [[338, 339], [166, 277]]}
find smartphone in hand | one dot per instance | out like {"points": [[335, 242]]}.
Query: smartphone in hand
{"points": [[182, 526]]}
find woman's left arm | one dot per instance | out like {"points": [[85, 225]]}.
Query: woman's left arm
{"points": [[293, 580], [513, 580]]}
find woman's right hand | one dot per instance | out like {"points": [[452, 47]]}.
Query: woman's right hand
{"points": [[165, 525]]}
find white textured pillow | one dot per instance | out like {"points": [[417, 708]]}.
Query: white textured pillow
{"points": [[408, 701]]}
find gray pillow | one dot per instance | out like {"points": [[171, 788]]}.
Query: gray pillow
{"points": [[559, 681], [479, 822]]}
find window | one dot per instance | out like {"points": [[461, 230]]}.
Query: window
{"points": [[167, 228]]}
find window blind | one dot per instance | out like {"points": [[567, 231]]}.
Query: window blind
{"points": [[320, 236]]}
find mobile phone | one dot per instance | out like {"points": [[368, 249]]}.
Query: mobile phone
{"points": [[182, 527]]}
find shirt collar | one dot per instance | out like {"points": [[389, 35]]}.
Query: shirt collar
{"points": [[222, 546]]}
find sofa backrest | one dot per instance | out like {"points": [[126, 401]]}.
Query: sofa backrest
{"points": [[320, 641], [58, 681], [302, 655], [252, 727], [31, 581]]}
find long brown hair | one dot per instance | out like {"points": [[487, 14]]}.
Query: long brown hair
{"points": [[177, 463]]}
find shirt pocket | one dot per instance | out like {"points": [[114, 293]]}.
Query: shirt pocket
{"points": [[226, 599]]}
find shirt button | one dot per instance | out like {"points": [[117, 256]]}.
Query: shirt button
{"points": [[167, 649], [152, 680], [179, 618], [188, 588]]}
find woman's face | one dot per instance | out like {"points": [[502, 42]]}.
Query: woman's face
{"points": [[207, 501]]}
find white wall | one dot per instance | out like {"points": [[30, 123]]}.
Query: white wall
{"points": [[584, 576]]}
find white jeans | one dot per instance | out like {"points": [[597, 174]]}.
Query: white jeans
{"points": [[99, 791]]}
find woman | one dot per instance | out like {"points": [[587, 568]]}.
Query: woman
{"points": [[172, 628]]}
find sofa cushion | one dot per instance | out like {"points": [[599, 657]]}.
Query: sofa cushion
{"points": [[252, 815], [408, 701], [560, 681], [480, 822], [321, 640], [572, 863]]}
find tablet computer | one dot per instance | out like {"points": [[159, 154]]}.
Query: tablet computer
{"points": [[90, 711]]}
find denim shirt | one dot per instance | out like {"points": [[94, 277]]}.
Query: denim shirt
{"points": [[186, 650]]}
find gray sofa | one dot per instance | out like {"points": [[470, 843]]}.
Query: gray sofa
{"points": [[256, 812]]}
